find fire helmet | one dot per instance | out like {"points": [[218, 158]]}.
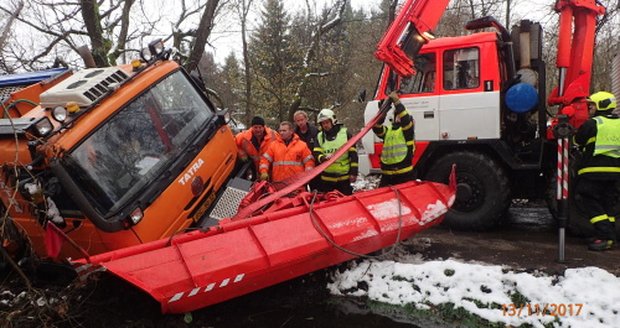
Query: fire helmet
{"points": [[603, 100], [326, 114]]}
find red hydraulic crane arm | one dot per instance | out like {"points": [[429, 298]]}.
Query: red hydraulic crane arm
{"points": [[409, 31], [574, 56]]}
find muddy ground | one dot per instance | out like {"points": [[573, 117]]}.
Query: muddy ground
{"points": [[528, 241], [519, 249]]}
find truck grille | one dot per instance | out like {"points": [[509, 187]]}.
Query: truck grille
{"points": [[5, 92], [228, 203]]}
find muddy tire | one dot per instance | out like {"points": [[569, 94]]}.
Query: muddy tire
{"points": [[483, 190]]}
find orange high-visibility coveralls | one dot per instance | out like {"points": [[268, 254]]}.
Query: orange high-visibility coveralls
{"points": [[246, 148], [286, 160]]}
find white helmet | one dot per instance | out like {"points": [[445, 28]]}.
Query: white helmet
{"points": [[326, 114]]}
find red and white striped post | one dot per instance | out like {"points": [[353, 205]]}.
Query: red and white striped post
{"points": [[562, 132]]}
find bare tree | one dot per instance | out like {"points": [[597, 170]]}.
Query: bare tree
{"points": [[110, 28], [243, 9], [6, 29], [92, 21], [322, 28], [202, 34]]}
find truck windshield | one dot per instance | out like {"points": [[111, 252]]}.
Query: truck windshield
{"points": [[138, 143]]}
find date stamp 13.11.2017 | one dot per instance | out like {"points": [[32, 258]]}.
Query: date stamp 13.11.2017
{"points": [[542, 309]]}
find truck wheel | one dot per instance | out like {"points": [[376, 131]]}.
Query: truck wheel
{"points": [[483, 190]]}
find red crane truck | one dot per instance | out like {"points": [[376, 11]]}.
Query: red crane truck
{"points": [[479, 101]]}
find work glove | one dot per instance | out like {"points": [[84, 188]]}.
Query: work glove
{"points": [[264, 176], [394, 96]]}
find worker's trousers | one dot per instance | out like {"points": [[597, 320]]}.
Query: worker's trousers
{"points": [[394, 179], [599, 202]]}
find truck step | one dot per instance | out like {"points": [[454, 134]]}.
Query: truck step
{"points": [[227, 204]]}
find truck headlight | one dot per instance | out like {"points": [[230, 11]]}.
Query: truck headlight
{"points": [[153, 51], [59, 113], [136, 215], [156, 47], [42, 127]]}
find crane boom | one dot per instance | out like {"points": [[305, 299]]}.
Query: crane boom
{"points": [[408, 33], [574, 56]]}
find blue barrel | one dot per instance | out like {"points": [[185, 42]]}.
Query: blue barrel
{"points": [[521, 98]]}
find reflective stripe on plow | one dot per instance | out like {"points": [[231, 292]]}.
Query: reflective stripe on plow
{"points": [[194, 292], [176, 297], [208, 288]]}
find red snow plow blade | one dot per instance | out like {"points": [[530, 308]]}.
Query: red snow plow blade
{"points": [[200, 268]]}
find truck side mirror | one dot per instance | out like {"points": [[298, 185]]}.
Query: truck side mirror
{"points": [[223, 116]]}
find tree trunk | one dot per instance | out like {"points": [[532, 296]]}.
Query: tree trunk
{"points": [[202, 35], [122, 38], [92, 20], [391, 12], [311, 54], [7, 28], [507, 14], [246, 60]]}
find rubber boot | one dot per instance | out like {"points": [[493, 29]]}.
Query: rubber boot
{"points": [[606, 236], [600, 245]]}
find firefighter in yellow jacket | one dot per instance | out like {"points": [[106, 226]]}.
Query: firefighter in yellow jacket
{"points": [[599, 169], [343, 171], [286, 156], [398, 145]]}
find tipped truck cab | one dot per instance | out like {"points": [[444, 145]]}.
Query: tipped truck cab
{"points": [[134, 155]]}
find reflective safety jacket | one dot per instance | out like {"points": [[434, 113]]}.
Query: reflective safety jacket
{"points": [[394, 147], [328, 143], [599, 138], [285, 160], [246, 148], [607, 137], [398, 143]]}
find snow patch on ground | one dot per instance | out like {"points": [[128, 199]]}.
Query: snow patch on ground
{"points": [[582, 297], [364, 182]]}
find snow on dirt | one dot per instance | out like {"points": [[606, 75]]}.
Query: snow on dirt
{"points": [[580, 297], [583, 297]]}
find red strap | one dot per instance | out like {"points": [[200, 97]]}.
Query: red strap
{"points": [[53, 241]]}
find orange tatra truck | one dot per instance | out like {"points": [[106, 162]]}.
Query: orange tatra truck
{"points": [[116, 156]]}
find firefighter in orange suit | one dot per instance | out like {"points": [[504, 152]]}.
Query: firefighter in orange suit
{"points": [[286, 156], [599, 169], [255, 141]]}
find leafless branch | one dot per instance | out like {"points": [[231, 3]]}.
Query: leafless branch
{"points": [[9, 23]]}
